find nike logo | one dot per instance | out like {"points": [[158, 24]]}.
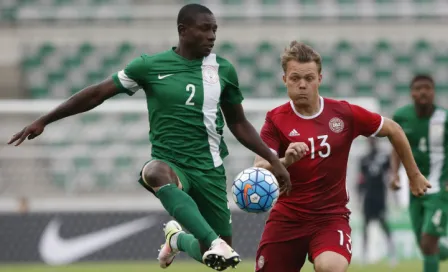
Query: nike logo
{"points": [[246, 189], [55, 250], [164, 76]]}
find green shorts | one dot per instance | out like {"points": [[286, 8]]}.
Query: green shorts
{"points": [[428, 215], [208, 188]]}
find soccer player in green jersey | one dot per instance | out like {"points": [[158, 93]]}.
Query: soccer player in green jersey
{"points": [[186, 88], [426, 127]]}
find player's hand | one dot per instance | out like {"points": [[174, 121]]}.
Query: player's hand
{"points": [[282, 175], [32, 131], [395, 182], [295, 152], [419, 184]]}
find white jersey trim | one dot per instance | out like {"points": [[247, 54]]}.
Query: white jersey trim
{"points": [[379, 128], [212, 93], [128, 83], [321, 99]]}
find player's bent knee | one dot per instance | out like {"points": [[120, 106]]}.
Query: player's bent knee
{"points": [[157, 174], [329, 261], [429, 244]]}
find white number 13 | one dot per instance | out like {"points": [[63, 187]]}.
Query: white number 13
{"points": [[323, 143], [349, 241], [192, 88]]}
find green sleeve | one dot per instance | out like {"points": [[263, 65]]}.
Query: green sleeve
{"points": [[231, 93], [132, 78]]}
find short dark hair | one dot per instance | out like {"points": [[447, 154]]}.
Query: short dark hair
{"points": [[188, 13], [301, 52], [419, 77]]}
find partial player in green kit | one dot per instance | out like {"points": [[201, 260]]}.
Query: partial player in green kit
{"points": [[186, 88], [426, 127]]}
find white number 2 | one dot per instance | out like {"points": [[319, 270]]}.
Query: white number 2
{"points": [[192, 88], [349, 241], [323, 143]]}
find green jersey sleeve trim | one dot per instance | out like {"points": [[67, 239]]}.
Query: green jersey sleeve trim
{"points": [[132, 78], [121, 88]]}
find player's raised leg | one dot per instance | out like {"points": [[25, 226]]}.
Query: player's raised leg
{"points": [[330, 246], [164, 181], [208, 189]]}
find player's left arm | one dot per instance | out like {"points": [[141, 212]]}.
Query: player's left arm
{"points": [[243, 130], [371, 124]]}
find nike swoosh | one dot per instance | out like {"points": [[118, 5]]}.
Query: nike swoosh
{"points": [[164, 76], [55, 250], [245, 190]]}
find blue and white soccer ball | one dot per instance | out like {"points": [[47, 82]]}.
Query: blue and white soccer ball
{"points": [[255, 190]]}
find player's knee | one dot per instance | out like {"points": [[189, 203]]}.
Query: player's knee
{"points": [[157, 174], [429, 244], [329, 261]]}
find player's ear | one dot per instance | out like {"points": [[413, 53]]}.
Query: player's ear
{"points": [[320, 79], [284, 78], [181, 29]]}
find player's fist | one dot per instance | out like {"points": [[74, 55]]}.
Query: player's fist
{"points": [[418, 184], [282, 176], [395, 182], [32, 131], [295, 152]]}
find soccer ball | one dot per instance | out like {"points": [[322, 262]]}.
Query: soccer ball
{"points": [[255, 190]]}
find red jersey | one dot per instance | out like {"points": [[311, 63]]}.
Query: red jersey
{"points": [[318, 179]]}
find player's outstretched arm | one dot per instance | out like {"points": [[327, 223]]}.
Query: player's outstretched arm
{"points": [[246, 134], [83, 101], [393, 131]]}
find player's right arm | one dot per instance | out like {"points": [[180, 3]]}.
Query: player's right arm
{"points": [[270, 135], [395, 163], [86, 99]]}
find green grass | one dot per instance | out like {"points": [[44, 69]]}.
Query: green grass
{"points": [[193, 267]]}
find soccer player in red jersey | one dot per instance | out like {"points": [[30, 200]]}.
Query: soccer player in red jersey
{"points": [[312, 135]]}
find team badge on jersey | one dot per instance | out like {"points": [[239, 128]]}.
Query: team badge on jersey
{"points": [[336, 125], [210, 74], [260, 262]]}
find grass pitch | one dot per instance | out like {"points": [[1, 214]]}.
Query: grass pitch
{"points": [[194, 267]]}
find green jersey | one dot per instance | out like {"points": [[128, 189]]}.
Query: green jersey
{"points": [[183, 99], [428, 138]]}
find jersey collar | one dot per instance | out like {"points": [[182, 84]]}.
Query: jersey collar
{"points": [[312, 116]]}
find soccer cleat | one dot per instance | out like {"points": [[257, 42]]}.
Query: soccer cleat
{"points": [[166, 252], [220, 256]]}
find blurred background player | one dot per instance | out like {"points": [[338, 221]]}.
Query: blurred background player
{"points": [[185, 87], [426, 127], [372, 189], [313, 135]]}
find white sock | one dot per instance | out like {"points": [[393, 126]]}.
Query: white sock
{"points": [[173, 240]]}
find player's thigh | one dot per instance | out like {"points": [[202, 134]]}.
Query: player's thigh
{"points": [[435, 221], [416, 214], [156, 173], [287, 256], [208, 189], [331, 245]]}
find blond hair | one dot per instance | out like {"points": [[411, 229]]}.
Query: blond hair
{"points": [[301, 52]]}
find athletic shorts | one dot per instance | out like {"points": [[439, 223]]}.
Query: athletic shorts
{"points": [[428, 215], [289, 256], [208, 190]]}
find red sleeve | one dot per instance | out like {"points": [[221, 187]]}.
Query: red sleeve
{"points": [[270, 135], [366, 123]]}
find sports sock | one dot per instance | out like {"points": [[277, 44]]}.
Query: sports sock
{"points": [[431, 263], [190, 245], [183, 208], [443, 252]]}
